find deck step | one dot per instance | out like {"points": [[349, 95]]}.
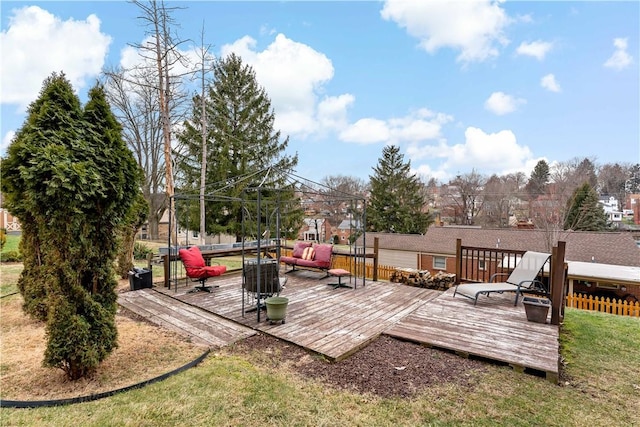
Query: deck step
{"points": [[200, 326]]}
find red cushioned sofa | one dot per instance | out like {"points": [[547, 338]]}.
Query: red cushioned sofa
{"points": [[309, 255]]}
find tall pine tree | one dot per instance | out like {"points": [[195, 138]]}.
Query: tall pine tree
{"points": [[241, 142], [397, 202], [584, 213], [539, 179], [70, 179]]}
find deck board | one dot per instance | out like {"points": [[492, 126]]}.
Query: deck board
{"points": [[338, 322], [493, 329]]}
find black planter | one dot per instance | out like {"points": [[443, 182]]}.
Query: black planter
{"points": [[140, 278], [536, 309]]}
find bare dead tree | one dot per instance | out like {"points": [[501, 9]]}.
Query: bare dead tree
{"points": [[133, 97], [204, 57], [464, 196], [161, 48]]}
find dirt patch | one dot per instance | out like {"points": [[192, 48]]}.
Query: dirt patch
{"points": [[387, 367], [144, 352]]}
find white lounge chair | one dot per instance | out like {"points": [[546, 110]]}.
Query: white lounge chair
{"points": [[521, 279]]}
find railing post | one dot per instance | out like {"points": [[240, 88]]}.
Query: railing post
{"points": [[458, 260], [376, 241], [557, 282], [165, 265]]}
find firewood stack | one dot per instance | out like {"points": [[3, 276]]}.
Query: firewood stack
{"points": [[423, 278]]}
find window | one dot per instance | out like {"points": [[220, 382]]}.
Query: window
{"points": [[439, 263], [482, 265]]}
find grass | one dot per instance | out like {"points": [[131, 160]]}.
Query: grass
{"points": [[12, 243], [601, 388]]}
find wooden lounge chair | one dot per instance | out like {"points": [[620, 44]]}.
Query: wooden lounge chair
{"points": [[521, 279]]}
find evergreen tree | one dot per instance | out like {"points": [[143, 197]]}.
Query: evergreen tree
{"points": [[70, 179], [241, 142], [397, 200], [539, 179], [584, 213], [632, 185]]}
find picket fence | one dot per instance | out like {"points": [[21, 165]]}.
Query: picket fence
{"points": [[606, 305], [384, 271]]}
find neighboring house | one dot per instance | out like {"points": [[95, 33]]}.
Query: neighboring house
{"points": [[633, 203], [345, 229], [184, 236], [8, 221], [436, 250], [315, 229], [612, 209]]}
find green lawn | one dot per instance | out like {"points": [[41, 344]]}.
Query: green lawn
{"points": [[12, 243]]}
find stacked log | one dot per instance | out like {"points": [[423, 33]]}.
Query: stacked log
{"points": [[423, 278]]}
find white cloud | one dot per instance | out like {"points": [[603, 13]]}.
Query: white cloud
{"points": [[39, 43], [500, 103], [620, 58], [475, 28], [6, 140], [490, 153], [294, 75], [332, 111], [366, 131], [550, 83], [537, 49], [418, 126]]}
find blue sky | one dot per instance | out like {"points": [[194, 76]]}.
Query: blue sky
{"points": [[484, 85]]}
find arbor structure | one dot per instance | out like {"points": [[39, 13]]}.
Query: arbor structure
{"points": [[584, 213], [71, 180], [397, 202], [241, 141]]}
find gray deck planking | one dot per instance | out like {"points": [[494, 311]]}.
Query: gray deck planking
{"points": [[332, 322], [201, 326], [493, 329], [338, 322]]}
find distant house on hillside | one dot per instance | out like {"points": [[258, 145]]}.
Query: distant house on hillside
{"points": [[345, 229]]}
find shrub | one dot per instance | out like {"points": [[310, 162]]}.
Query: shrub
{"points": [[11, 256], [3, 238], [141, 251]]}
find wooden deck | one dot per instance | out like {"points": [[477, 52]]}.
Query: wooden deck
{"points": [[332, 322], [493, 329], [338, 322]]}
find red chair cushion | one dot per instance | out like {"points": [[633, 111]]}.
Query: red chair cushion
{"points": [[299, 247], [195, 266], [192, 257], [323, 254]]}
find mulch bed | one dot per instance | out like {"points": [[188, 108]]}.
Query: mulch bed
{"points": [[387, 367]]}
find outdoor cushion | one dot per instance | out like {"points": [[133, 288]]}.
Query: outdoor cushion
{"points": [[308, 253], [289, 259], [195, 266], [192, 257], [323, 253], [299, 247]]}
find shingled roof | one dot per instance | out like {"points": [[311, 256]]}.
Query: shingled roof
{"points": [[616, 248]]}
